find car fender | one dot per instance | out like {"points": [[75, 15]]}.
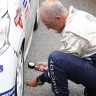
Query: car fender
{"points": [[8, 63], [16, 39], [17, 28]]}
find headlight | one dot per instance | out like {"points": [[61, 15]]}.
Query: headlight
{"points": [[4, 31]]}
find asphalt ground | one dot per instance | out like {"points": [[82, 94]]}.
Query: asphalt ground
{"points": [[45, 41]]}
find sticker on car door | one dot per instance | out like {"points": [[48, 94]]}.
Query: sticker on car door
{"points": [[1, 68]]}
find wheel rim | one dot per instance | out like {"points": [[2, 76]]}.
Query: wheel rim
{"points": [[20, 78]]}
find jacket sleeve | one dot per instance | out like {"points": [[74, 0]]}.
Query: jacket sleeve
{"points": [[72, 43], [45, 77]]}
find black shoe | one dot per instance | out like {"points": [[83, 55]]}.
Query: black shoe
{"points": [[89, 92]]}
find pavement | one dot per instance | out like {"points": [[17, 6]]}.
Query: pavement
{"points": [[43, 43]]}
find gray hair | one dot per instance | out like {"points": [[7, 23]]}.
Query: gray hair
{"points": [[55, 9]]}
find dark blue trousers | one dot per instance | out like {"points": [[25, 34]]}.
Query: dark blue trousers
{"points": [[64, 66]]}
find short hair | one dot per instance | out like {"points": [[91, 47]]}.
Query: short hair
{"points": [[51, 11]]}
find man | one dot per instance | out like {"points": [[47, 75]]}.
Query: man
{"points": [[76, 59]]}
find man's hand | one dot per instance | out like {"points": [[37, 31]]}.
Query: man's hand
{"points": [[41, 66], [32, 82]]}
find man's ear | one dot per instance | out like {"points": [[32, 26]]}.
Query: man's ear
{"points": [[58, 18]]}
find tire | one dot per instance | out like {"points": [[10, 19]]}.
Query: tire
{"points": [[19, 83], [36, 23], [37, 16]]}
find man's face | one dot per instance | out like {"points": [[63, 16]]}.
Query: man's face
{"points": [[51, 25]]}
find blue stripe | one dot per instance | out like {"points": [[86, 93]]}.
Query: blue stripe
{"points": [[1, 68], [25, 3], [11, 92]]}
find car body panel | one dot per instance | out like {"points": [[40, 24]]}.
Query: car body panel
{"points": [[8, 61], [22, 14], [3, 7], [28, 19]]}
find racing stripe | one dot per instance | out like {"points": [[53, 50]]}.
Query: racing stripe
{"points": [[9, 92]]}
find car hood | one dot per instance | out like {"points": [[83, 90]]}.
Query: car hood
{"points": [[3, 7]]}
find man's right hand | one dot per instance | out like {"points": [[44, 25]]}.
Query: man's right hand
{"points": [[32, 82], [41, 66]]}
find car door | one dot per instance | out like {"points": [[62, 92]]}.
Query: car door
{"points": [[31, 10]]}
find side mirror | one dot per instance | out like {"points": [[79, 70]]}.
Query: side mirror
{"points": [[31, 64]]}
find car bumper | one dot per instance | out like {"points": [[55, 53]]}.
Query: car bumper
{"points": [[8, 64]]}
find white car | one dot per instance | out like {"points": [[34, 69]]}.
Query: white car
{"points": [[18, 20]]}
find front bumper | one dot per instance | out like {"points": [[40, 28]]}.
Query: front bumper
{"points": [[8, 65]]}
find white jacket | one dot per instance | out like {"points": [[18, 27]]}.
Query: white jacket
{"points": [[79, 34]]}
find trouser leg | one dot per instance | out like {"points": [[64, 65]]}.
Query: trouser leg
{"points": [[64, 66]]}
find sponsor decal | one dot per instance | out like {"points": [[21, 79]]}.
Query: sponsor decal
{"points": [[10, 92], [25, 3], [65, 43], [53, 76], [26, 8], [18, 19], [90, 18], [1, 68]]}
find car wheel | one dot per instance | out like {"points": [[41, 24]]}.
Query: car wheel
{"points": [[19, 87], [36, 23], [37, 16]]}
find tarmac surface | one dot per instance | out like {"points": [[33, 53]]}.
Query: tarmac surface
{"points": [[45, 41]]}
